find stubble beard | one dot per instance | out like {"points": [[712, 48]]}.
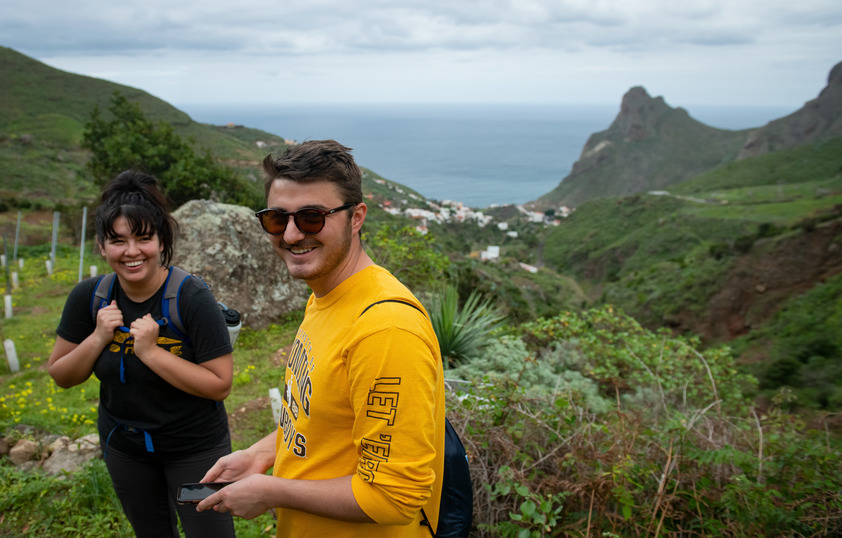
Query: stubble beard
{"points": [[334, 257]]}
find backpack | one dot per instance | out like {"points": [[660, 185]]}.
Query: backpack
{"points": [[169, 303], [103, 293], [456, 509]]}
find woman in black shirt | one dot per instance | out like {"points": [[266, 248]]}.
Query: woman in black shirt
{"points": [[161, 419]]}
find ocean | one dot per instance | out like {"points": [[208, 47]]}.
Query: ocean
{"points": [[480, 155]]}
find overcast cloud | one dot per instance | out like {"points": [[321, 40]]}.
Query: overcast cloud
{"points": [[724, 52]]}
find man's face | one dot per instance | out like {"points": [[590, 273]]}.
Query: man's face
{"points": [[322, 260]]}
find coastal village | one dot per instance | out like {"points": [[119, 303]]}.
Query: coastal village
{"points": [[447, 211], [423, 211]]}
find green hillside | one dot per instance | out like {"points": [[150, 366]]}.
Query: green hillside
{"points": [[43, 112], [721, 250], [670, 362], [721, 255], [710, 219]]}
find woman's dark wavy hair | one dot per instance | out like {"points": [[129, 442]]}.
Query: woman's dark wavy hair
{"points": [[136, 196]]}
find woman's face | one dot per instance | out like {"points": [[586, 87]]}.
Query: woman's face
{"points": [[135, 259]]}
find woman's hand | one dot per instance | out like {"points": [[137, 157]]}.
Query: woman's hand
{"points": [[71, 364], [145, 333], [108, 319]]}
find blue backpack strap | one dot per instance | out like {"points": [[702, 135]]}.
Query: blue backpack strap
{"points": [[102, 293], [169, 303]]}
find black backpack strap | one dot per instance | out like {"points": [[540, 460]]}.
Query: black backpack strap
{"points": [[426, 523], [391, 301]]}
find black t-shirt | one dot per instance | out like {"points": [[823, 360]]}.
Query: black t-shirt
{"points": [[177, 423]]}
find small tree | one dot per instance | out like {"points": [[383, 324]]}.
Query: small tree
{"points": [[129, 140], [409, 255]]}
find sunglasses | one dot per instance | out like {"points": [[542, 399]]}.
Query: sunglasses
{"points": [[309, 221]]}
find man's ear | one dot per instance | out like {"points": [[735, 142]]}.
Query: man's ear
{"points": [[358, 217]]}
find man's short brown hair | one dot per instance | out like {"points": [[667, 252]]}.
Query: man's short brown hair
{"points": [[317, 160]]}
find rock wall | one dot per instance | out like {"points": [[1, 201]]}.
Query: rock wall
{"points": [[817, 120], [30, 448], [226, 246]]}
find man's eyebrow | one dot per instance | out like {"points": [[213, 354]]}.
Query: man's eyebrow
{"points": [[305, 206]]}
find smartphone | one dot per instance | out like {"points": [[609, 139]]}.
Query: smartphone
{"points": [[193, 493]]}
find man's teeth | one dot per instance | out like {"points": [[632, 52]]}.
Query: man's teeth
{"points": [[299, 250], [133, 264]]}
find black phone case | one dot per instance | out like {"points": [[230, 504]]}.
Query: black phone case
{"points": [[194, 493]]}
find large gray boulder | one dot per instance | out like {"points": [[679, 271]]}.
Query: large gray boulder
{"points": [[225, 245]]}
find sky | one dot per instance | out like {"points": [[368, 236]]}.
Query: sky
{"points": [[774, 53]]}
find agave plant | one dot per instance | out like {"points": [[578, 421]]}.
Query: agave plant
{"points": [[462, 333]]}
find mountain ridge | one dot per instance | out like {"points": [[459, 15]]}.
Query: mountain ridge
{"points": [[651, 146], [818, 119]]}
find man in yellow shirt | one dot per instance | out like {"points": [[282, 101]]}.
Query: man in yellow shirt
{"points": [[359, 449]]}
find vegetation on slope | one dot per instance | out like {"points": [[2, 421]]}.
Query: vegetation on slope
{"points": [[578, 419], [576, 424], [131, 141], [43, 118], [668, 259]]}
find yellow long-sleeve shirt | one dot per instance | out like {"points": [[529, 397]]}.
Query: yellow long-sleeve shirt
{"points": [[364, 396]]}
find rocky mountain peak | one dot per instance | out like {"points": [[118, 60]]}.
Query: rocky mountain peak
{"points": [[639, 114], [649, 146], [834, 80], [818, 119]]}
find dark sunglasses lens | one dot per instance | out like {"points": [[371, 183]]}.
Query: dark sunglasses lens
{"points": [[309, 221], [274, 222]]}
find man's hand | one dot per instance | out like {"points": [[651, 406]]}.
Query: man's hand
{"points": [[245, 498], [233, 467]]}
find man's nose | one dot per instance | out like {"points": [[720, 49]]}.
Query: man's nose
{"points": [[292, 234]]}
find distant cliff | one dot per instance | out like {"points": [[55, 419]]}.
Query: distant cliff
{"points": [[817, 120], [651, 145]]}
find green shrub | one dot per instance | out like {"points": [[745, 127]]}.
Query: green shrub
{"points": [[462, 332], [412, 257], [678, 450], [803, 343]]}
